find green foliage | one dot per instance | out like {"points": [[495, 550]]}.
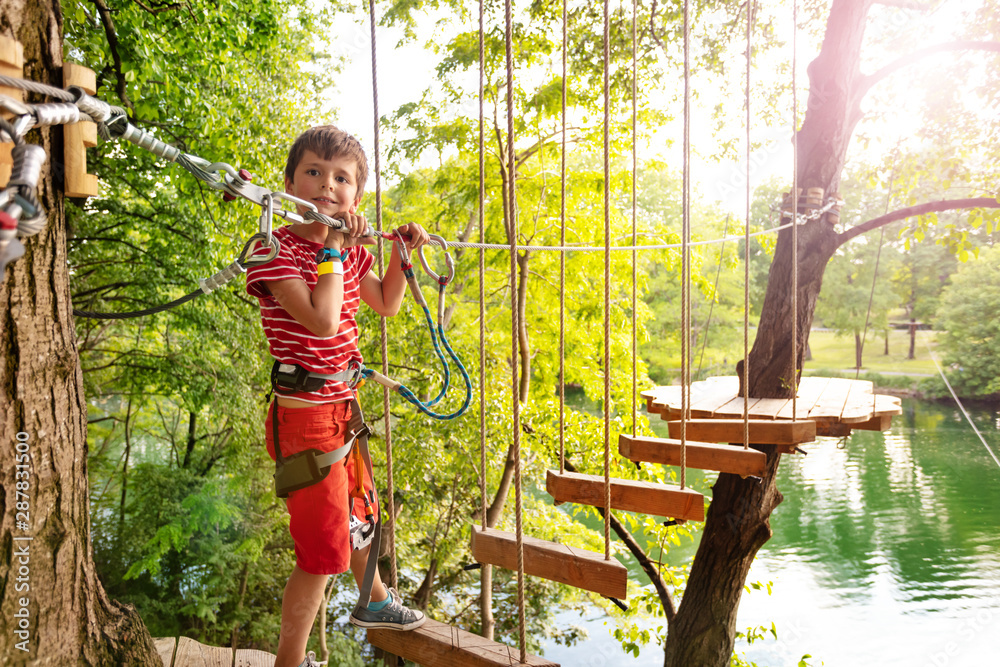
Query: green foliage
{"points": [[970, 313]]}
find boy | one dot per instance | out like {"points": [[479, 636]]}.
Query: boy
{"points": [[308, 297]]}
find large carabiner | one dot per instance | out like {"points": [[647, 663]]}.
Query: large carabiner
{"points": [[247, 258], [449, 262]]}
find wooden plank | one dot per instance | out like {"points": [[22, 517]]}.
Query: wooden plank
{"points": [[762, 431], [876, 423], [165, 647], [438, 645], [859, 404], [550, 560], [78, 137], [831, 403], [248, 657], [734, 408], [701, 455], [12, 65], [628, 495], [888, 405], [810, 389], [194, 654]]}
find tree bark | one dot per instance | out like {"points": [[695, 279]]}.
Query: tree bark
{"points": [[737, 524], [70, 620]]}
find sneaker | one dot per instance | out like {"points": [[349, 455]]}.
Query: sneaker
{"points": [[310, 661], [394, 616]]}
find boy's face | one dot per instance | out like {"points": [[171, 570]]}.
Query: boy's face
{"points": [[332, 185]]}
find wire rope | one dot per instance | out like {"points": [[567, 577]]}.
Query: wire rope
{"points": [[635, 170]]}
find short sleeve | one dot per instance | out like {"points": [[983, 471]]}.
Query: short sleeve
{"points": [[282, 267]]}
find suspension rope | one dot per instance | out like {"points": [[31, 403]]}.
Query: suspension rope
{"points": [[795, 215], [514, 326], [562, 258], [383, 326], [746, 242], [635, 170], [482, 277], [686, 251], [607, 283]]}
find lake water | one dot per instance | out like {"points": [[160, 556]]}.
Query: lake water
{"points": [[886, 551]]}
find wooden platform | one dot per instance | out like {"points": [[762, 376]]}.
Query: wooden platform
{"points": [[837, 405], [701, 455], [550, 560], [439, 645], [626, 494], [760, 431], [187, 652]]}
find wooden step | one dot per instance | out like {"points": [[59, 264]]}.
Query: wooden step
{"points": [[762, 431], [626, 494], [186, 652], [701, 455], [557, 562], [436, 644]]}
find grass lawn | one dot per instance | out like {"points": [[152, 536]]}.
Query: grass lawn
{"points": [[837, 353]]}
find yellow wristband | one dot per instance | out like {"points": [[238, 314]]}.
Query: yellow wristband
{"points": [[335, 268]]}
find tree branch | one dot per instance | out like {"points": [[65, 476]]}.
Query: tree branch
{"points": [[109, 30], [919, 209], [647, 565], [910, 58]]}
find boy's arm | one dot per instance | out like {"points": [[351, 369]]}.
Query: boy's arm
{"points": [[317, 310], [386, 295]]}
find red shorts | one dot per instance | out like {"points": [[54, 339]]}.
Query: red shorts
{"points": [[320, 523]]}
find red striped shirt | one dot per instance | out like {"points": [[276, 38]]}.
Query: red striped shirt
{"points": [[289, 341]]}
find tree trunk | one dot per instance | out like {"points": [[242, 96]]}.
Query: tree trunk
{"points": [[886, 351], [858, 345], [50, 577], [737, 525], [913, 339]]}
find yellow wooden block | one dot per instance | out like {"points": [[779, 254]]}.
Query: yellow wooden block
{"points": [[78, 137], [12, 65]]}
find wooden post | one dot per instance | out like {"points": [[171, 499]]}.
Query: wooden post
{"points": [[78, 137], [11, 64]]}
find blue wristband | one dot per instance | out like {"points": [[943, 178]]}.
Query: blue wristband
{"points": [[329, 254]]}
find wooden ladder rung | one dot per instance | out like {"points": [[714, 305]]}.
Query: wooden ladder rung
{"points": [[550, 560], [626, 494], [700, 455], [437, 644], [762, 431]]}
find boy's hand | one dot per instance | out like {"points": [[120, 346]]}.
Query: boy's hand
{"points": [[418, 235], [351, 234]]}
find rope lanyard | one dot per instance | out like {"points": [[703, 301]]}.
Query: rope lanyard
{"points": [[562, 257], [635, 170]]}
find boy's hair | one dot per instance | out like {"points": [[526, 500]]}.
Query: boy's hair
{"points": [[327, 141]]}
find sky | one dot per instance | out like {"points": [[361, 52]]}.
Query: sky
{"points": [[406, 71]]}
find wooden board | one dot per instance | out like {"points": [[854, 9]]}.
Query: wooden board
{"points": [[550, 560], [12, 65], [194, 654], [762, 432], [629, 495], [701, 455], [436, 644], [248, 657], [165, 647], [78, 137]]}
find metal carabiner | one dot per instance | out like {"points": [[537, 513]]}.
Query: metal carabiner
{"points": [[267, 217], [449, 262], [246, 257]]}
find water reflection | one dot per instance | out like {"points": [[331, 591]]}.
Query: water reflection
{"points": [[886, 551]]}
